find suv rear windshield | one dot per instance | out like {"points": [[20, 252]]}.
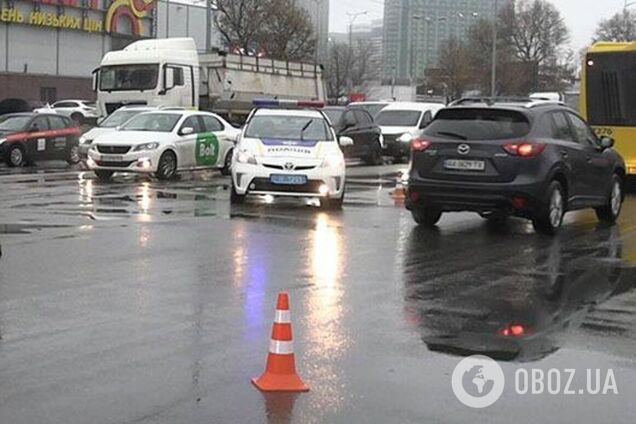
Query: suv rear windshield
{"points": [[478, 124]]}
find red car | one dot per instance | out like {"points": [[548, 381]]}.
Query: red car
{"points": [[28, 137]]}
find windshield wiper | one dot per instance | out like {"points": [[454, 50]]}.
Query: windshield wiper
{"points": [[302, 132], [452, 134]]}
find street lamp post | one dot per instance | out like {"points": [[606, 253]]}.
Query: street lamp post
{"points": [[318, 4], [493, 72]]}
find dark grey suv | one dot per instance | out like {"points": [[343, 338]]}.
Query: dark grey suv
{"points": [[530, 159]]}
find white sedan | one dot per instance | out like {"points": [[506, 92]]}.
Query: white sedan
{"points": [[163, 143]]}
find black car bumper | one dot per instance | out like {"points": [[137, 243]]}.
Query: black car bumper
{"points": [[519, 197]]}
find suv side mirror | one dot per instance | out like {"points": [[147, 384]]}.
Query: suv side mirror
{"points": [[606, 142]]}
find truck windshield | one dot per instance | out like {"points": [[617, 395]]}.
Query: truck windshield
{"points": [[156, 122], [288, 128], [398, 118], [118, 118], [128, 77]]}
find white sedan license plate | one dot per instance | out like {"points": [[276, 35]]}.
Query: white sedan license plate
{"points": [[465, 165], [111, 158]]}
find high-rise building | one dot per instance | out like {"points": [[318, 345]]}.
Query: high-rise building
{"points": [[414, 30], [318, 11]]}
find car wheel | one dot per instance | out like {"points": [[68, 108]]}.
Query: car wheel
{"points": [[15, 156], [235, 198], [549, 218], [427, 216], [73, 155], [612, 209], [78, 118], [104, 175], [375, 157], [227, 165], [167, 167]]}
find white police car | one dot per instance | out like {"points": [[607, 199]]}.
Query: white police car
{"points": [[164, 142], [288, 148]]}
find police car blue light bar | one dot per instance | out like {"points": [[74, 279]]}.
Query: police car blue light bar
{"points": [[288, 103]]}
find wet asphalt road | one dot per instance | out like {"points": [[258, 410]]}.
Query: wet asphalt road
{"points": [[142, 302]]}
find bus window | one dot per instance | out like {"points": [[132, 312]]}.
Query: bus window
{"points": [[611, 84]]}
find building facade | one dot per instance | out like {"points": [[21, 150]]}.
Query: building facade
{"points": [[49, 48], [414, 30], [318, 11]]}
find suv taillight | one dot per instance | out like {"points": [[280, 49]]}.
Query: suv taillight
{"points": [[524, 149], [419, 145]]}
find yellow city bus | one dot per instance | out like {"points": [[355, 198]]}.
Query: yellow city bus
{"points": [[608, 95]]}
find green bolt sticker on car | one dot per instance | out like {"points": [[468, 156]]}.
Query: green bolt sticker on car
{"points": [[207, 150]]}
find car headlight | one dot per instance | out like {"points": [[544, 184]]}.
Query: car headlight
{"points": [[146, 146], [84, 140], [406, 138], [334, 161], [244, 156]]}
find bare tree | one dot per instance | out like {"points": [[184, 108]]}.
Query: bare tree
{"points": [[337, 70], [621, 27], [289, 33], [453, 72], [240, 22], [536, 33], [345, 63], [278, 27]]}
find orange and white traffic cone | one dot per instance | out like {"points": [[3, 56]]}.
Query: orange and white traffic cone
{"points": [[399, 193], [280, 374]]}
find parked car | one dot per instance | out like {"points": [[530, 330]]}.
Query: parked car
{"points": [[28, 137], [79, 111], [108, 124], [357, 124], [534, 159], [163, 143], [400, 122], [373, 108]]}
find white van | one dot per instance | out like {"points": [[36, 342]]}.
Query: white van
{"points": [[400, 122]]}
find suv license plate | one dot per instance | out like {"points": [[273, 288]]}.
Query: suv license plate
{"points": [[288, 179], [465, 165]]}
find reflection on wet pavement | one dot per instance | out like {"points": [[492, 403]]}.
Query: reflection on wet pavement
{"points": [[524, 305], [148, 302]]}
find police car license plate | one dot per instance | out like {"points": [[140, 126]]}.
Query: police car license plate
{"points": [[111, 158], [288, 179], [465, 165]]}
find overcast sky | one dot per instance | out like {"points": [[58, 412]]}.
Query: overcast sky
{"points": [[581, 16]]}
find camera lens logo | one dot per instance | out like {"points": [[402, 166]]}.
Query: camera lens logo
{"points": [[478, 381]]}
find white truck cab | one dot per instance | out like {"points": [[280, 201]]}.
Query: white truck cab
{"points": [[158, 72]]}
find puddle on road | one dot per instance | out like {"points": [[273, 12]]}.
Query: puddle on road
{"points": [[523, 305]]}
